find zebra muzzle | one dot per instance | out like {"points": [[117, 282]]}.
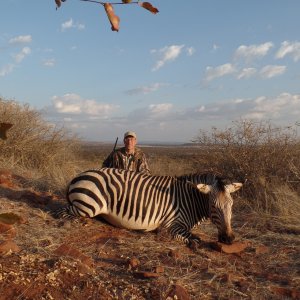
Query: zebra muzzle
{"points": [[226, 238]]}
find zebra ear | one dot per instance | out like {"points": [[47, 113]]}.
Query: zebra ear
{"points": [[233, 187], [204, 188]]}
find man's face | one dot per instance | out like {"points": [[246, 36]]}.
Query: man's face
{"points": [[130, 143]]}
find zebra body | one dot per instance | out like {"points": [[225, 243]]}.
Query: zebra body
{"points": [[144, 202]]}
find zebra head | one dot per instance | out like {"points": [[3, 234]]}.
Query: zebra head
{"points": [[220, 206]]}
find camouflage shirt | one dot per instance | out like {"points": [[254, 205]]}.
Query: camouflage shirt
{"points": [[119, 159]]}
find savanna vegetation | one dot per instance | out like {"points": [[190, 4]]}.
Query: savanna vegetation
{"points": [[266, 209]]}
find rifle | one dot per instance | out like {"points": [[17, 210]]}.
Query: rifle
{"points": [[111, 154], [115, 145]]}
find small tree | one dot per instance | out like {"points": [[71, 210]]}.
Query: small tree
{"points": [[265, 155]]}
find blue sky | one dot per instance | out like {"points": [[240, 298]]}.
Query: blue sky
{"points": [[194, 65]]}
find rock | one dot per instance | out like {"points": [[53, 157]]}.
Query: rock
{"points": [[133, 263], [285, 292], [4, 173], [177, 292], [262, 249], [65, 250], [84, 269], [6, 179], [7, 230], [11, 218], [175, 254], [8, 247], [236, 247], [146, 275], [159, 269]]}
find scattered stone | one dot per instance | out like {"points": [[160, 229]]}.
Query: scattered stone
{"points": [[7, 230], [84, 269], [262, 249], [65, 250], [292, 293], [177, 292], [146, 275], [4, 173], [236, 247], [159, 269], [6, 183], [11, 218], [6, 179], [133, 263], [8, 247], [44, 243], [175, 254]]}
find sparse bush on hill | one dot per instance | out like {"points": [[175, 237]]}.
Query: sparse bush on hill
{"points": [[265, 155], [35, 145]]}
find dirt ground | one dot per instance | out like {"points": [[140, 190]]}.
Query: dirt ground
{"points": [[42, 257]]}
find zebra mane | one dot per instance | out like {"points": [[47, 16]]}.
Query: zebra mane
{"points": [[206, 178]]}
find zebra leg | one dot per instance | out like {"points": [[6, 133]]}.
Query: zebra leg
{"points": [[181, 233], [65, 213]]}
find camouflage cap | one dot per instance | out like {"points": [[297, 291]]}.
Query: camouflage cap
{"points": [[129, 133]]}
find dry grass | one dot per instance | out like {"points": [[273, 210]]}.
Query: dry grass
{"points": [[267, 156], [266, 214], [43, 151], [205, 274]]}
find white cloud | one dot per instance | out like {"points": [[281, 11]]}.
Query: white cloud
{"points": [[167, 54], [253, 51], [179, 124], [151, 113], [146, 89], [70, 24], [74, 104], [67, 25], [219, 71], [22, 54], [289, 48], [215, 47], [282, 106], [19, 57], [159, 109], [6, 69], [21, 39], [190, 51], [80, 26], [246, 73], [200, 108], [49, 62], [272, 71]]}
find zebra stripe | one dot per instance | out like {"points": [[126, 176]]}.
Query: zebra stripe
{"points": [[144, 202]]}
